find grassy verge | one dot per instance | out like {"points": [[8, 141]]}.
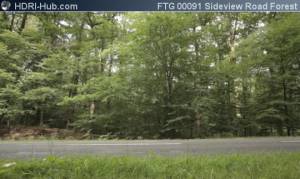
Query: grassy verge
{"points": [[277, 165]]}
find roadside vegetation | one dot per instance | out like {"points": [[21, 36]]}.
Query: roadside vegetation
{"points": [[246, 166], [151, 75]]}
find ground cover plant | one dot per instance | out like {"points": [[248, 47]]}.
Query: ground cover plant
{"points": [[246, 166]]}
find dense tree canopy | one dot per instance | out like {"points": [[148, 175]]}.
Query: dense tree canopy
{"points": [[154, 75]]}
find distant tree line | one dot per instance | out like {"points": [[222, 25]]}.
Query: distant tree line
{"points": [[154, 75]]}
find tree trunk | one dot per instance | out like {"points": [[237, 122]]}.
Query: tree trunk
{"points": [[12, 22], [102, 61], [280, 129], [8, 123], [92, 109], [23, 23], [41, 117], [286, 111]]}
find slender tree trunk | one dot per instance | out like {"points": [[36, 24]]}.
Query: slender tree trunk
{"points": [[68, 123], [284, 90], [8, 123], [41, 117], [1, 121], [271, 129], [192, 131], [12, 22], [232, 38], [92, 109], [286, 108], [102, 61], [280, 129], [23, 23], [110, 66]]}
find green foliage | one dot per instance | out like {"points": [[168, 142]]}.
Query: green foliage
{"points": [[155, 75]]}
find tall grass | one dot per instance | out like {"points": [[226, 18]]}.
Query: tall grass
{"points": [[243, 166]]}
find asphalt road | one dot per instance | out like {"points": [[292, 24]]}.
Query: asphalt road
{"points": [[30, 149]]}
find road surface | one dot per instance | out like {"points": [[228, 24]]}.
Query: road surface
{"points": [[30, 149]]}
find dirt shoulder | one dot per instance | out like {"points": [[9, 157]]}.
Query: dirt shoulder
{"points": [[29, 133]]}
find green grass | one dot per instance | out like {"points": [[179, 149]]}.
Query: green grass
{"points": [[243, 166]]}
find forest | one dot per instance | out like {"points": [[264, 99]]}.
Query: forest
{"points": [[152, 75]]}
